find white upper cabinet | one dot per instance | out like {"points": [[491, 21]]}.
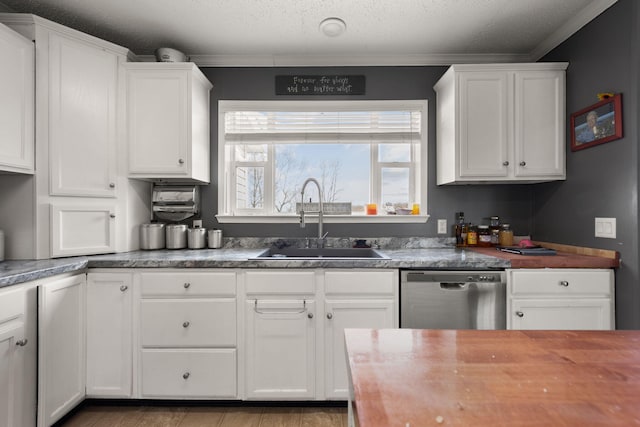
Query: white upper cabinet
{"points": [[501, 123], [82, 118], [168, 122], [17, 85]]}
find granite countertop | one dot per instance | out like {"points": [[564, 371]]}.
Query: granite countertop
{"points": [[411, 377], [412, 253], [13, 272]]}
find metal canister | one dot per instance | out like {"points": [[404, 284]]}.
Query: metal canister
{"points": [[152, 236], [215, 239], [176, 236], [196, 238]]}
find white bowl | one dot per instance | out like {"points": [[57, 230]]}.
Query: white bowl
{"points": [[403, 211], [166, 54]]}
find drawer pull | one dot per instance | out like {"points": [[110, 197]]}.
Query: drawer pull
{"points": [[519, 314], [186, 375], [186, 285], [123, 288], [564, 283], [310, 315], [329, 316], [22, 342], [505, 163], [523, 163], [185, 324], [302, 310]]}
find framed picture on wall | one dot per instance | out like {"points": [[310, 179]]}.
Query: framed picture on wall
{"points": [[597, 124]]}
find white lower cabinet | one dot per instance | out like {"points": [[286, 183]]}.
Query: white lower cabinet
{"points": [[295, 321], [109, 335], [17, 357], [187, 335], [570, 299], [280, 334], [350, 304], [61, 347]]}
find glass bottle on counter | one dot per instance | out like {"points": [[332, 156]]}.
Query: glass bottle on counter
{"points": [[484, 236], [460, 239], [494, 228], [506, 235], [472, 235]]}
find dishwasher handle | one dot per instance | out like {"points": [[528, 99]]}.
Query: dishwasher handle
{"points": [[454, 286]]}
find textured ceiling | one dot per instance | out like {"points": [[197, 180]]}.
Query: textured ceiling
{"points": [[255, 30]]}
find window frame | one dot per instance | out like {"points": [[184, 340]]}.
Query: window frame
{"points": [[226, 177]]}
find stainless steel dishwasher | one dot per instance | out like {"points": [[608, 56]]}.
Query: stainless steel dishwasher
{"points": [[452, 299]]}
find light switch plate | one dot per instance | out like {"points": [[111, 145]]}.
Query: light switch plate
{"points": [[606, 227], [442, 226]]}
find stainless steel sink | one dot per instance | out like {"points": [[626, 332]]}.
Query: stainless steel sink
{"points": [[321, 253]]}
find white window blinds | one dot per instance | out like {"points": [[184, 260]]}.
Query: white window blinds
{"points": [[251, 127]]}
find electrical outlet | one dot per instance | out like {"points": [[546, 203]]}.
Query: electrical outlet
{"points": [[606, 227], [442, 226]]}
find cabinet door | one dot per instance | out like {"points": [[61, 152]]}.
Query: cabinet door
{"points": [[280, 349], [158, 126], [109, 335], [82, 229], [539, 124], [484, 125], [13, 346], [575, 314], [61, 347], [82, 118], [374, 314], [17, 83]]}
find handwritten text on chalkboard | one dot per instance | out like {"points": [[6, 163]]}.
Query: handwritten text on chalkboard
{"points": [[320, 85]]}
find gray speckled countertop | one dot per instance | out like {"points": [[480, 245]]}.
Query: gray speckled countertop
{"points": [[13, 272]]}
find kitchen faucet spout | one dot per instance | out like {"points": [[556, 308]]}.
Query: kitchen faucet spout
{"points": [[319, 211]]}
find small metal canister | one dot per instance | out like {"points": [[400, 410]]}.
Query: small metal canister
{"points": [[215, 239]]}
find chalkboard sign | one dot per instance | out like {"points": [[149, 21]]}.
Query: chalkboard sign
{"points": [[320, 85]]}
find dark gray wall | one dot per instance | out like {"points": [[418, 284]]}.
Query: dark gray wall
{"points": [[602, 181], [510, 202]]}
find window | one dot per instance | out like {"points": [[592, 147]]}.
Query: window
{"points": [[360, 151]]}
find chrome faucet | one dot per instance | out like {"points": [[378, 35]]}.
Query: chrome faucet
{"points": [[321, 236]]}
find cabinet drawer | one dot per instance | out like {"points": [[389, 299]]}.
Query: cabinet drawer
{"points": [[188, 323], [561, 282], [199, 373], [360, 282], [11, 304], [188, 284], [280, 282]]}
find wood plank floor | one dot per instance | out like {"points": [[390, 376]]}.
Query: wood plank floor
{"points": [[92, 415]]}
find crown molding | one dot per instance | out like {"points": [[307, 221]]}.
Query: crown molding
{"points": [[349, 60]]}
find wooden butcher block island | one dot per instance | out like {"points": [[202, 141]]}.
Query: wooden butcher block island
{"points": [[417, 378]]}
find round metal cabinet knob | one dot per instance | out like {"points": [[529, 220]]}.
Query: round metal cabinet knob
{"points": [[112, 215], [186, 285], [181, 161], [519, 314], [505, 163], [186, 375], [329, 316], [564, 283], [22, 342], [523, 163], [123, 288], [310, 315], [185, 324], [112, 185]]}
